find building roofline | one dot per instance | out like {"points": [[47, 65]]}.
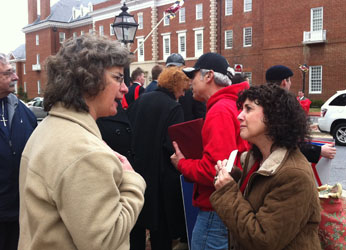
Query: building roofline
{"points": [[57, 24]]}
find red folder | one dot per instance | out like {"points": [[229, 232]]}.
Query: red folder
{"points": [[188, 135]]}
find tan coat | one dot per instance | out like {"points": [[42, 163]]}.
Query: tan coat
{"points": [[74, 193], [280, 206]]}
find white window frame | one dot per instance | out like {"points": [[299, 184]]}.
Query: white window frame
{"points": [[37, 59], [111, 30], [101, 30], [62, 37], [166, 45], [38, 87], [182, 37], [228, 7], [37, 39], [24, 84], [82, 32], [227, 37], [315, 78], [140, 51], [198, 49], [140, 20], [75, 35], [182, 17], [316, 20], [246, 30], [166, 21], [199, 11], [24, 69], [247, 5]]}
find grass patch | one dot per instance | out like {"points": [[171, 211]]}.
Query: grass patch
{"points": [[315, 110]]}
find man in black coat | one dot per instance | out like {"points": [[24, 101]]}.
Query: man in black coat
{"points": [[136, 89], [150, 117], [116, 132]]}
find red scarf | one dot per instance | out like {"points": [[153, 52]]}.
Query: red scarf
{"points": [[254, 168]]}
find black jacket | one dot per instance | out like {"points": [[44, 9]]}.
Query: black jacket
{"points": [[117, 133], [23, 122], [130, 96], [192, 109], [150, 117]]}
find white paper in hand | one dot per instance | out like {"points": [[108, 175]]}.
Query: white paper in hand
{"points": [[231, 160]]}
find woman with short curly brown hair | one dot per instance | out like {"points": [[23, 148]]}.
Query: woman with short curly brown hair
{"points": [[275, 205]]}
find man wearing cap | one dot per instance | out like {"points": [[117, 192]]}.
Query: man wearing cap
{"points": [[281, 76], [211, 82]]}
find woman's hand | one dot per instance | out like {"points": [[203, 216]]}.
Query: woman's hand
{"points": [[124, 162], [177, 156], [222, 176]]}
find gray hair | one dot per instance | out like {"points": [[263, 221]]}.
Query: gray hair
{"points": [[3, 59], [77, 70], [220, 79]]}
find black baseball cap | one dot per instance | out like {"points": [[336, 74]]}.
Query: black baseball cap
{"points": [[213, 61], [278, 73], [175, 59]]}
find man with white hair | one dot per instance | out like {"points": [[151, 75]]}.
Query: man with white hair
{"points": [[16, 125], [211, 83]]}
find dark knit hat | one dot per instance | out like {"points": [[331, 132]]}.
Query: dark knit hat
{"points": [[213, 61], [278, 73]]}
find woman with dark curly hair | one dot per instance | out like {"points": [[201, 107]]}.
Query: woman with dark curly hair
{"points": [[275, 205], [75, 191]]}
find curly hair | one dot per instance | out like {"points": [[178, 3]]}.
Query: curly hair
{"points": [[77, 70], [173, 79], [286, 122]]}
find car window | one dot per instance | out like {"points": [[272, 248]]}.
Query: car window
{"points": [[38, 104], [339, 101]]}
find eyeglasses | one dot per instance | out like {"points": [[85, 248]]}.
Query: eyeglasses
{"points": [[119, 78], [8, 73]]}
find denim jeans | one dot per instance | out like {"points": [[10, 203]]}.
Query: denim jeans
{"points": [[209, 232]]}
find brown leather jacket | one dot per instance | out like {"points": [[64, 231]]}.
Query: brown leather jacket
{"points": [[279, 209]]}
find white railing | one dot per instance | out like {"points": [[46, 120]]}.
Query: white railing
{"points": [[318, 36]]}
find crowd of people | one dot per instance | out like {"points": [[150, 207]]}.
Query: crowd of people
{"points": [[101, 172]]}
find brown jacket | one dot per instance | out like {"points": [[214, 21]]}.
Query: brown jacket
{"points": [[280, 206]]}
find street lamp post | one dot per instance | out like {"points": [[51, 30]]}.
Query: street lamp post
{"points": [[125, 27], [304, 68]]}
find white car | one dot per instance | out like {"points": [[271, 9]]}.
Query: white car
{"points": [[333, 117], [38, 110], [34, 100]]}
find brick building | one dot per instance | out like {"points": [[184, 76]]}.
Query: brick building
{"points": [[253, 34]]}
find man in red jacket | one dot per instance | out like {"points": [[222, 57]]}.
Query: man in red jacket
{"points": [[304, 101], [211, 83]]}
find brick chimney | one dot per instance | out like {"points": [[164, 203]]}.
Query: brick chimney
{"points": [[32, 11], [45, 9]]}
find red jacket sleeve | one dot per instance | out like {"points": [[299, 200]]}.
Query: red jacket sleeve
{"points": [[219, 135]]}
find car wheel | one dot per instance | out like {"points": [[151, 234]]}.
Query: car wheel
{"points": [[339, 134]]}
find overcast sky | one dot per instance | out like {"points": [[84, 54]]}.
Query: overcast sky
{"points": [[13, 17]]}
